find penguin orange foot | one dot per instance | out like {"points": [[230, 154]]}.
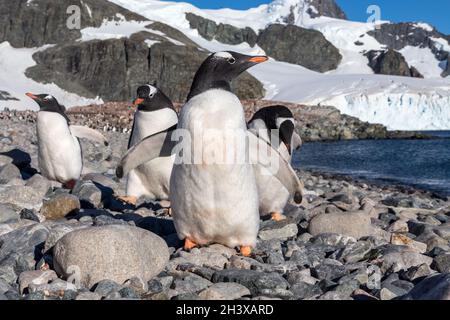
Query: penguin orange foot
{"points": [[129, 199], [277, 216], [246, 251], [189, 244]]}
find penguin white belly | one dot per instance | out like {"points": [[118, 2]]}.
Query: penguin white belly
{"points": [[153, 178], [214, 202], [273, 196], [59, 151]]}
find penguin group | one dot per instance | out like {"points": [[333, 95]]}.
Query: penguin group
{"points": [[210, 202]]}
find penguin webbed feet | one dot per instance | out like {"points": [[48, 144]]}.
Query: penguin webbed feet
{"points": [[277, 216], [189, 244], [129, 200], [246, 251]]}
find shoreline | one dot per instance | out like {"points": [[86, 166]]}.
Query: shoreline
{"points": [[371, 183]]}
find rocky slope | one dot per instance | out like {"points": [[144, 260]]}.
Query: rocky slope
{"points": [[107, 68], [315, 123], [288, 43], [348, 240]]}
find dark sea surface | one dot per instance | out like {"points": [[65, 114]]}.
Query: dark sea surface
{"points": [[423, 164]]}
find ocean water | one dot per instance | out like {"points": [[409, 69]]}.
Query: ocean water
{"points": [[423, 164]]}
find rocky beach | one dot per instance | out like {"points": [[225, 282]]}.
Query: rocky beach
{"points": [[348, 240]]}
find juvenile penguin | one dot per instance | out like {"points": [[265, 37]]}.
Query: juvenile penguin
{"points": [[59, 151], [154, 113], [269, 121], [215, 203]]}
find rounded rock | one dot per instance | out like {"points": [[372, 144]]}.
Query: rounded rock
{"points": [[115, 252]]}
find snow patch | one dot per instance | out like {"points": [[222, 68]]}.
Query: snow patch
{"points": [[423, 60], [111, 29], [424, 26], [13, 64]]}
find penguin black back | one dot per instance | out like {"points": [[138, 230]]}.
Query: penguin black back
{"points": [[220, 69]]}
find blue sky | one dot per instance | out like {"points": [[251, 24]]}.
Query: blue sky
{"points": [[435, 12]]}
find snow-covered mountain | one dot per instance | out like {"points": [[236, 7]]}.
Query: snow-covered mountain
{"points": [[317, 57]]}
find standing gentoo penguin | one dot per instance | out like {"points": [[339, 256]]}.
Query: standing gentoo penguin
{"points": [[155, 113], [273, 196], [59, 151], [215, 202]]}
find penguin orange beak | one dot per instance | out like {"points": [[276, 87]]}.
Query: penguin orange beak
{"points": [[32, 96], [138, 101], [258, 59]]}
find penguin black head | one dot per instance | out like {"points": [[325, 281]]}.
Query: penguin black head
{"points": [[151, 98], [279, 118], [220, 69], [48, 103]]}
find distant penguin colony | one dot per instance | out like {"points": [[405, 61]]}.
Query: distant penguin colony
{"points": [[59, 151], [210, 202]]}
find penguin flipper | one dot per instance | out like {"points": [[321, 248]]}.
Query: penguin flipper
{"points": [[263, 155], [149, 148], [88, 133]]}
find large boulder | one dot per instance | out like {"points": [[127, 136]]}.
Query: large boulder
{"points": [[352, 224], [114, 252], [435, 287], [297, 45], [391, 62], [224, 33]]}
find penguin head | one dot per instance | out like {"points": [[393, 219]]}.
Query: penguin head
{"points": [[151, 98], [47, 102], [220, 69], [279, 118]]}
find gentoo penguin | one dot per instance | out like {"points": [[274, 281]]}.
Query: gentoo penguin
{"points": [[265, 123], [216, 203], [154, 113], [59, 151]]}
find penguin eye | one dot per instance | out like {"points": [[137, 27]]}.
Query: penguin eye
{"points": [[151, 95], [231, 60]]}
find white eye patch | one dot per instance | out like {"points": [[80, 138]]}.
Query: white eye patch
{"points": [[152, 90], [223, 55], [49, 97]]}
